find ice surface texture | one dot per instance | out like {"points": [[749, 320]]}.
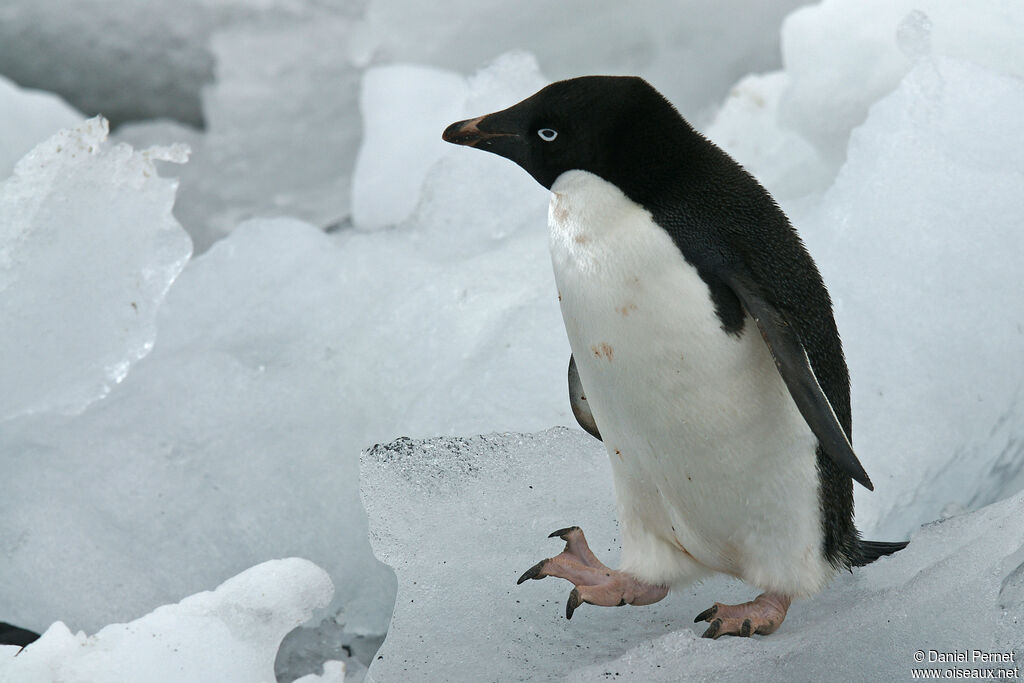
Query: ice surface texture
{"points": [[281, 353], [228, 446], [228, 634], [460, 519], [131, 60], [791, 127], [284, 351], [29, 117], [168, 42], [88, 249], [919, 240], [282, 117]]}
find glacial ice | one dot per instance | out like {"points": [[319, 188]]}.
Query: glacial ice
{"points": [[714, 42], [227, 446], [890, 135], [791, 127], [228, 634], [951, 590], [460, 519], [281, 352], [283, 125], [919, 240], [29, 117], [403, 106], [130, 60], [88, 249]]}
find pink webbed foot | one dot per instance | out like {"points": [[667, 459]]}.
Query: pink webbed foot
{"points": [[595, 584], [762, 615]]}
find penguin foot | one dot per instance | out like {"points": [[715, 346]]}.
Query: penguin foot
{"points": [[762, 615], [595, 583]]}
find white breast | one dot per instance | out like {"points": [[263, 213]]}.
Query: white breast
{"points": [[714, 467]]}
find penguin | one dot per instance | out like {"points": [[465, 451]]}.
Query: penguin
{"points": [[705, 356]]}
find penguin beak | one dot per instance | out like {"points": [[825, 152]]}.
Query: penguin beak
{"points": [[501, 133], [472, 133]]}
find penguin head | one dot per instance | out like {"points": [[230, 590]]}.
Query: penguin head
{"points": [[601, 124]]}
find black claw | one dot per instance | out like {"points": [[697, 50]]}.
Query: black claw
{"points": [[561, 533], [746, 628], [706, 614], [572, 603], [713, 630], [532, 572]]}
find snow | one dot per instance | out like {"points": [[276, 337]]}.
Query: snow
{"points": [[228, 634], [88, 250]]}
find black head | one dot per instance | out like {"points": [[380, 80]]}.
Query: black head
{"points": [[607, 125]]}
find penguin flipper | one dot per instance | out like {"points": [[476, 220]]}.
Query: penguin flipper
{"points": [[578, 401], [795, 367]]}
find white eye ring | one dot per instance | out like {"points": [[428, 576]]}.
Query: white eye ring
{"points": [[547, 134]]}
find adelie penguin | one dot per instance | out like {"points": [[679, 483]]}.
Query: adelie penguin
{"points": [[704, 355]]}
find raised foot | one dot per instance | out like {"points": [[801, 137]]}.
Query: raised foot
{"points": [[762, 615], [595, 583]]}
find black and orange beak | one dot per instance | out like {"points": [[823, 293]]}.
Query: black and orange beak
{"points": [[474, 132]]}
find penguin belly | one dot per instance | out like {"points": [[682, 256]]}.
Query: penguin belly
{"points": [[713, 465]]}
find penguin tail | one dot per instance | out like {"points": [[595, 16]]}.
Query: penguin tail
{"points": [[869, 551]]}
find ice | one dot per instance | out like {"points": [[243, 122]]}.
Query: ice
{"points": [[919, 240], [693, 51], [130, 60], [30, 117], [403, 108], [282, 352], [334, 672], [946, 592], [889, 135], [460, 519], [227, 446], [228, 634], [283, 124], [780, 158], [282, 127], [842, 56], [88, 249]]}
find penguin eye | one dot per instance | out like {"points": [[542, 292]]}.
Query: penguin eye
{"points": [[547, 134]]}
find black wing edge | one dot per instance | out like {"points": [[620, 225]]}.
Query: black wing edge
{"points": [[869, 551], [795, 368], [578, 401]]}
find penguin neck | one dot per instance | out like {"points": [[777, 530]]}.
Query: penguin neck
{"points": [[585, 208]]}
